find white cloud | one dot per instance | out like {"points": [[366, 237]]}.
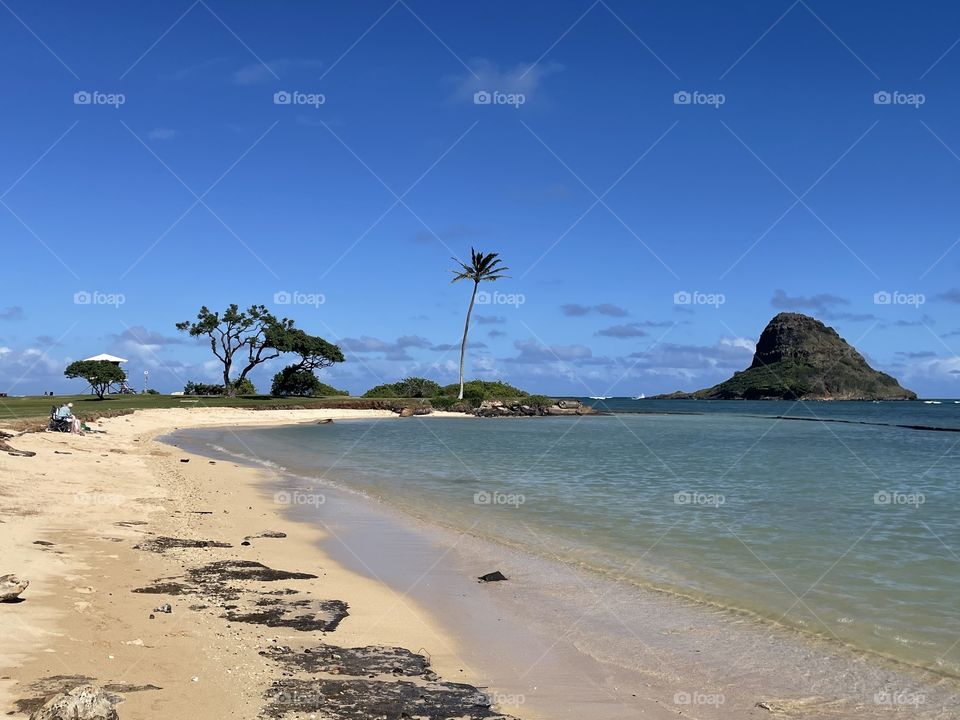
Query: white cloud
{"points": [[256, 73], [160, 133], [523, 78]]}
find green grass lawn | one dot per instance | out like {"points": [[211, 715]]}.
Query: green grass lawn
{"points": [[88, 407]]}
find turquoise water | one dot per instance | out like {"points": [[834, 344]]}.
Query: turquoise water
{"points": [[848, 532]]}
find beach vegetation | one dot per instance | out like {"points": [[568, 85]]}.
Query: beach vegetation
{"points": [[291, 382], [241, 387], [251, 337], [411, 387]]}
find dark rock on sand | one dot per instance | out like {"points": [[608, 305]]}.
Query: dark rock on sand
{"points": [[367, 699], [359, 661], [303, 615], [217, 579], [495, 576], [267, 534], [226, 570], [167, 588], [161, 544]]}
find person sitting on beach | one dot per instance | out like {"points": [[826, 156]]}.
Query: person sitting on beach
{"points": [[65, 413]]}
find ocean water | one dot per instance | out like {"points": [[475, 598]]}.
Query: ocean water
{"points": [[827, 518]]}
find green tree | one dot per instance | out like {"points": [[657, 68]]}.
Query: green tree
{"points": [[290, 381], [315, 354], [481, 268], [99, 373], [255, 330], [417, 387]]}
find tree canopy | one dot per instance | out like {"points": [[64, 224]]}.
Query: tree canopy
{"points": [[101, 374]]}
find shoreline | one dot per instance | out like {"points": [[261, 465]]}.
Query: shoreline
{"points": [[90, 501], [673, 614], [79, 618]]}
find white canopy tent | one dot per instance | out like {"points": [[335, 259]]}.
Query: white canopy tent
{"points": [[108, 358], [122, 386]]}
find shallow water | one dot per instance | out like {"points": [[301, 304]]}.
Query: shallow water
{"points": [[842, 532]]}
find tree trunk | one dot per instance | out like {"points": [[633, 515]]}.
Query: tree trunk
{"points": [[228, 388], [466, 329]]}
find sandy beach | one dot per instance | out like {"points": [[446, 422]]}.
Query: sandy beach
{"points": [[89, 520]]}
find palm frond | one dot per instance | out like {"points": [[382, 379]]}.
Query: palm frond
{"points": [[481, 267]]}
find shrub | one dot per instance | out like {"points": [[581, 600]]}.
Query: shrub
{"points": [[382, 391], [411, 387], [244, 387], [300, 383], [538, 401], [484, 390], [195, 388], [416, 387]]}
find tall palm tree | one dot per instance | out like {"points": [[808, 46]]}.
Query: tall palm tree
{"points": [[481, 268]]}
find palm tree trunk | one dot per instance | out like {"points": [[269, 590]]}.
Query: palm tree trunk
{"points": [[466, 329]]}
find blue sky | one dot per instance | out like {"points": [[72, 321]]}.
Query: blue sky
{"points": [[649, 239]]}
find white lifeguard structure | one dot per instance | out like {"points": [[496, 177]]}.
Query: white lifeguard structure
{"points": [[122, 388]]}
